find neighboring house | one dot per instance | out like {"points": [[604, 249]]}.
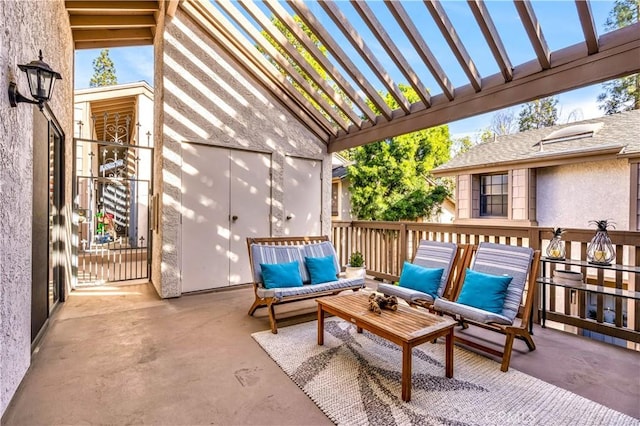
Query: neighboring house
{"points": [[564, 175], [113, 161], [340, 195]]}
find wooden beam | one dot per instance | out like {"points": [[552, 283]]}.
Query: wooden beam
{"points": [[171, 7], [366, 54], [483, 18], [457, 47], [534, 31], [284, 44], [619, 55], [111, 6], [411, 31], [588, 25], [107, 43], [392, 50], [279, 12], [116, 35], [283, 63], [111, 21], [343, 59], [256, 65]]}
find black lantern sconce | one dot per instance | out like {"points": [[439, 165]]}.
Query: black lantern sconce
{"points": [[41, 80]]}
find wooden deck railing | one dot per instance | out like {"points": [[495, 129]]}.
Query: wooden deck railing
{"points": [[386, 245]]}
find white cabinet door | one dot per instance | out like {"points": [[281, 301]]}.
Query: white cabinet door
{"points": [[226, 196], [205, 217], [302, 196], [250, 209]]}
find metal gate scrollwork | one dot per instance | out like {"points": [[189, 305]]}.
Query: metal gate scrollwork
{"points": [[113, 199]]}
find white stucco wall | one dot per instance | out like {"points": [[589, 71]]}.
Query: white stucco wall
{"points": [[206, 98], [26, 27], [570, 196]]}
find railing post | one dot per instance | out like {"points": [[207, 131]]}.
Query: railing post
{"points": [[403, 246]]}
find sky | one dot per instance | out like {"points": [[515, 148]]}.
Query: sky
{"points": [[558, 20]]}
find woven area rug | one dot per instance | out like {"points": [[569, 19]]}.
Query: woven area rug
{"points": [[355, 380]]}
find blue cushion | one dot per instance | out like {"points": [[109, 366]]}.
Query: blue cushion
{"points": [[426, 280], [484, 291], [275, 275], [321, 269]]}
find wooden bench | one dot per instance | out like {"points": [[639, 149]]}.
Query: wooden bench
{"points": [[288, 249]]}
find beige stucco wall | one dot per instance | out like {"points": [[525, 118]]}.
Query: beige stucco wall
{"points": [[26, 27], [206, 98], [570, 196]]}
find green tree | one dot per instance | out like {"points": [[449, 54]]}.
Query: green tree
{"points": [[390, 179], [622, 94], [104, 71], [538, 114]]}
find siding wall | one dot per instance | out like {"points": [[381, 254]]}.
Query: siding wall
{"points": [[26, 26], [205, 97]]}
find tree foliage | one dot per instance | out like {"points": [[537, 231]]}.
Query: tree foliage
{"points": [[622, 94], [538, 114], [104, 71], [390, 178]]}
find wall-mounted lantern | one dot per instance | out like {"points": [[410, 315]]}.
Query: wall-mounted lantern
{"points": [[41, 79]]}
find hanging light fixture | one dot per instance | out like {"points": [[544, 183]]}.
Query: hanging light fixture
{"points": [[41, 79]]}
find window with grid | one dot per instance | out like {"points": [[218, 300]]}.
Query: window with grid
{"points": [[494, 194]]}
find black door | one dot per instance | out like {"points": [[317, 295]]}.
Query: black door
{"points": [[47, 258]]}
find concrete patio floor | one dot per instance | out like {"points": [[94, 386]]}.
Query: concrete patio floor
{"points": [[121, 355]]}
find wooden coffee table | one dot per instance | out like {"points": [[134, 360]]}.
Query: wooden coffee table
{"points": [[406, 327]]}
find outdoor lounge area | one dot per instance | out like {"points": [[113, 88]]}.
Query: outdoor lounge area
{"points": [[121, 355], [129, 206]]}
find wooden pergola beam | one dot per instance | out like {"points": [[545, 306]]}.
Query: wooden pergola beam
{"points": [[206, 16], [283, 63], [284, 44], [343, 59], [111, 6], [377, 29], [115, 35], [411, 31], [171, 7], [290, 24], [109, 43], [619, 55], [483, 18], [534, 31], [366, 54], [457, 47], [111, 21], [588, 25]]}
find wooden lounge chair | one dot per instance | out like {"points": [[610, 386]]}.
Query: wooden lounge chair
{"points": [[453, 258], [497, 260]]}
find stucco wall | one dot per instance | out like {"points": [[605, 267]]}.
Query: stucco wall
{"points": [[207, 98], [26, 27], [570, 196]]}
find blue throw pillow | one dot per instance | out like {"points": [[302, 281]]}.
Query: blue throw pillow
{"points": [[426, 280], [484, 291], [276, 275], [321, 269]]}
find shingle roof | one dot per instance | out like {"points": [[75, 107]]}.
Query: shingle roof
{"points": [[618, 130]]}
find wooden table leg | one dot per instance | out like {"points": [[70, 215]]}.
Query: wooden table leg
{"points": [[320, 325], [449, 356], [406, 372]]}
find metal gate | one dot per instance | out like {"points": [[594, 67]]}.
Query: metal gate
{"points": [[112, 194]]}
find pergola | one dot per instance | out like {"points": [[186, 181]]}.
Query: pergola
{"points": [[343, 108]]}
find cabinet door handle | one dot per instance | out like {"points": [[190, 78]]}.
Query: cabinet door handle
{"points": [[289, 217], [234, 218]]}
